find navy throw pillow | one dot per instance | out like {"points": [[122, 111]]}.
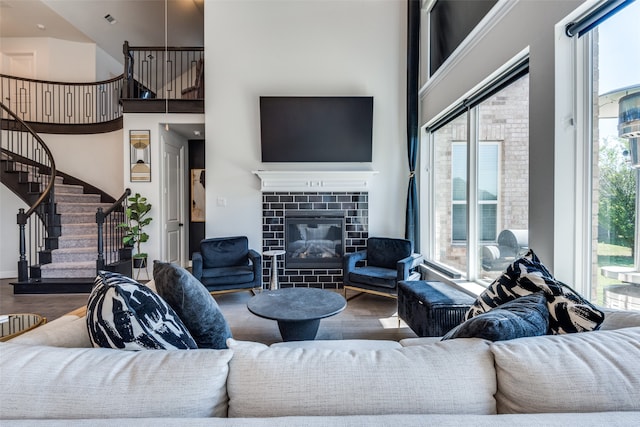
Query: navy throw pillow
{"points": [[194, 304], [126, 315], [527, 316]]}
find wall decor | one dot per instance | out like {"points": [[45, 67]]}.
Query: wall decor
{"points": [[197, 195], [140, 155]]}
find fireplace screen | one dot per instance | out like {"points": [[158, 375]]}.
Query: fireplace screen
{"points": [[314, 240]]}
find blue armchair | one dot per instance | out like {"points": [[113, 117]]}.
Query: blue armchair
{"points": [[226, 264], [388, 261]]}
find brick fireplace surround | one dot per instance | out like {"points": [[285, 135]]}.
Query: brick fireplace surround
{"points": [[316, 191]]}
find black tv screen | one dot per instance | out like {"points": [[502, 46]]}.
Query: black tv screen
{"points": [[316, 129]]}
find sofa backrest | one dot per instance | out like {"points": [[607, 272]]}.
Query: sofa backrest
{"points": [[51, 382], [224, 251], [451, 377], [386, 252], [584, 372]]}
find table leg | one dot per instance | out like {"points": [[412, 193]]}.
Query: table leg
{"points": [[299, 330], [273, 283]]}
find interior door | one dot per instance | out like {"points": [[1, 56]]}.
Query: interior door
{"points": [[173, 203]]}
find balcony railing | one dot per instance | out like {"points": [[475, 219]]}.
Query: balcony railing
{"points": [[41, 101], [170, 79], [163, 73]]}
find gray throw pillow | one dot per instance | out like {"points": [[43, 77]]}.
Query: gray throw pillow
{"points": [[527, 316], [194, 304]]}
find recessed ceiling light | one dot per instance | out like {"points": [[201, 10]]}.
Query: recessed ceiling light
{"points": [[110, 19], [196, 132], [41, 27]]}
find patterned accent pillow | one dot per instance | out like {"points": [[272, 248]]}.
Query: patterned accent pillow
{"points": [[126, 315], [194, 304], [568, 311], [526, 316]]}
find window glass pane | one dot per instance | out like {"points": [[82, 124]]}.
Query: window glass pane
{"points": [[459, 222], [459, 172], [615, 180], [449, 216], [503, 177], [488, 172]]}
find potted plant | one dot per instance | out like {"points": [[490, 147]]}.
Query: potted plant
{"points": [[136, 213]]}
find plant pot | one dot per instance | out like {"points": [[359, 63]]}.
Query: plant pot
{"points": [[139, 262]]}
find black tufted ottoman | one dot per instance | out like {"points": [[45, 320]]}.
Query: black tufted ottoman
{"points": [[431, 309]]}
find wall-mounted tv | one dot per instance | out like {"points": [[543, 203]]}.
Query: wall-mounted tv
{"points": [[316, 129]]}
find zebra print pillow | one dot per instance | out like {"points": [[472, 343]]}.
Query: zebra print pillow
{"points": [[568, 311], [123, 314]]}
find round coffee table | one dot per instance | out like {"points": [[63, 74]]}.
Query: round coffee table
{"points": [[12, 325], [297, 310]]}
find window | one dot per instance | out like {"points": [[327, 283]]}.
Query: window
{"points": [[488, 171], [606, 221], [478, 172]]}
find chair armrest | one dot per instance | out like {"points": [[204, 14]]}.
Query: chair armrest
{"points": [[196, 265], [256, 261], [405, 265], [350, 260], [255, 258]]}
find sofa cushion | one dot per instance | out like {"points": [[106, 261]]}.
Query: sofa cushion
{"points": [[124, 314], [196, 307], [447, 377], [354, 344], [65, 331], [376, 276], [525, 316], [589, 372], [617, 319], [592, 419], [51, 382], [568, 311]]}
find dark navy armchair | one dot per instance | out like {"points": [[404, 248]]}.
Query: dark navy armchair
{"points": [[388, 261], [226, 264]]}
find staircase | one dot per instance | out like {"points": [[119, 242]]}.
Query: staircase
{"points": [[76, 252], [60, 246]]}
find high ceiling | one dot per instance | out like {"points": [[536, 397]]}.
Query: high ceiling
{"points": [[141, 22]]}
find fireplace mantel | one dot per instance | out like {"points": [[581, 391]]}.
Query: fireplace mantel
{"points": [[315, 180]]}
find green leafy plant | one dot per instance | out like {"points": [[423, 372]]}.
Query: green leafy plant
{"points": [[136, 212]]}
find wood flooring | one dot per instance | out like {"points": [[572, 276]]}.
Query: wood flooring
{"points": [[366, 316]]}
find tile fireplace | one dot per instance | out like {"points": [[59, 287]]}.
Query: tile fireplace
{"points": [[316, 217]]}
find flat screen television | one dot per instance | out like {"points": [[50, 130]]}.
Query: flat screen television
{"points": [[316, 129]]}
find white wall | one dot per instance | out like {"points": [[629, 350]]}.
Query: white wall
{"points": [[107, 67], [528, 23], [313, 47], [95, 159], [55, 60]]}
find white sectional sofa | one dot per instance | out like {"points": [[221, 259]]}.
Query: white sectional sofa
{"points": [[51, 376]]}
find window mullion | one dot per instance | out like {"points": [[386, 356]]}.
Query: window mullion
{"points": [[472, 193]]}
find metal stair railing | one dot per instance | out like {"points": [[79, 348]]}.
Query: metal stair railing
{"points": [[112, 253], [27, 154]]}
